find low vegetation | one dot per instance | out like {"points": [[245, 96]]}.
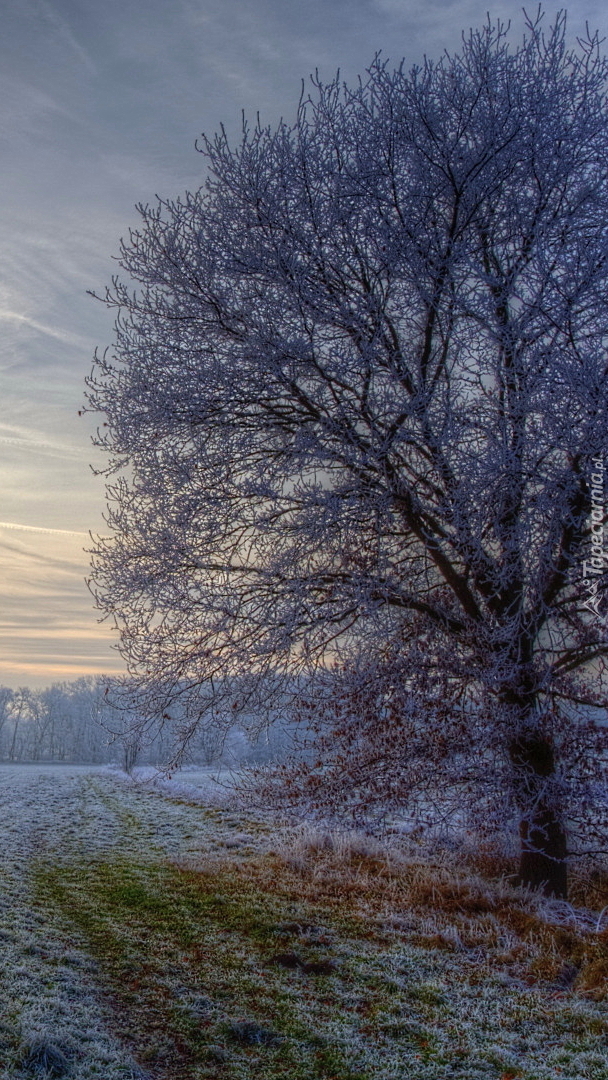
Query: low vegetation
{"points": [[314, 954], [157, 933]]}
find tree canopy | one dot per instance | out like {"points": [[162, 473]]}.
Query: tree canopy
{"points": [[358, 395]]}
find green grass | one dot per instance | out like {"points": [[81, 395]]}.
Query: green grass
{"points": [[186, 962], [213, 974]]}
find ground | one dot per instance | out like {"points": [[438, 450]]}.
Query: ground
{"points": [[163, 933]]}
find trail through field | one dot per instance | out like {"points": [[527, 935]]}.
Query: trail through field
{"points": [[152, 933], [49, 991]]}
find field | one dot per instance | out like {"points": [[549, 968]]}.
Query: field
{"points": [[162, 933]]}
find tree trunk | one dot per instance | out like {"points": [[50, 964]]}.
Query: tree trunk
{"points": [[542, 861], [543, 853]]}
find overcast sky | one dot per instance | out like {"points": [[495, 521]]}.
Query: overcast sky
{"points": [[100, 104]]}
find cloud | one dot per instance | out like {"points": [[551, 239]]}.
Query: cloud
{"points": [[65, 336], [26, 439], [60, 562], [27, 111], [65, 34], [40, 529], [48, 624]]}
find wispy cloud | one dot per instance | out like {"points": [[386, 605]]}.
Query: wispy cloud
{"points": [[65, 33], [48, 625], [58, 333], [64, 561], [26, 439], [40, 529]]}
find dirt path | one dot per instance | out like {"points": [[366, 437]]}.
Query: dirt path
{"points": [[48, 989]]}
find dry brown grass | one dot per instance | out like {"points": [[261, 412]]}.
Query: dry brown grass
{"points": [[470, 905]]}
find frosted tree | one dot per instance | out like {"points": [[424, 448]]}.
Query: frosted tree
{"points": [[358, 396]]}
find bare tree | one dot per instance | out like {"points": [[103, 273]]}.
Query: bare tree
{"points": [[359, 395], [6, 700], [21, 712]]}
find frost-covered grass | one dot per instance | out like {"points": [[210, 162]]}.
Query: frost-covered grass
{"points": [[147, 935], [52, 1011]]}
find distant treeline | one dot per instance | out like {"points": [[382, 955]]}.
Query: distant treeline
{"points": [[75, 722]]}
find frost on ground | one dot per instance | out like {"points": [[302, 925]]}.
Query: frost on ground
{"points": [[158, 931], [52, 1013]]}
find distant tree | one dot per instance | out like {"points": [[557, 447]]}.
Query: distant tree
{"points": [[59, 723], [358, 396], [22, 704], [6, 700]]}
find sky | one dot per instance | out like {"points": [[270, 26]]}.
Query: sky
{"points": [[100, 107]]}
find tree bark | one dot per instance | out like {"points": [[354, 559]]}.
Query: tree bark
{"points": [[543, 853], [542, 861]]}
